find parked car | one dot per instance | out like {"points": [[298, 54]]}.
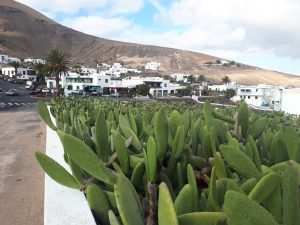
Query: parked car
{"points": [[77, 92], [45, 90], [12, 92], [116, 94], [35, 92], [5, 78], [10, 80]]}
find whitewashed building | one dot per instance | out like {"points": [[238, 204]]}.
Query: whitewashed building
{"points": [[116, 71], [103, 65], [180, 77], [261, 95], [35, 61], [158, 86], [4, 59], [152, 66], [87, 71], [73, 81], [12, 59], [223, 87], [22, 73], [8, 71]]}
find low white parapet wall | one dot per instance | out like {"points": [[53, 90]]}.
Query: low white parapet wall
{"points": [[63, 205]]}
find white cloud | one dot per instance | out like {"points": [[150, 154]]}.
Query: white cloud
{"points": [[74, 6], [126, 6], [233, 29], [98, 26], [236, 25]]}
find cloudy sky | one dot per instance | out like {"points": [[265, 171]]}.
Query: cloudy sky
{"points": [[264, 33]]}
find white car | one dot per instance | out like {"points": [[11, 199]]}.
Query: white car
{"points": [[45, 90], [116, 94]]}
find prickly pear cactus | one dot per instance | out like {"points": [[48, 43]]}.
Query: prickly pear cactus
{"points": [[176, 163]]}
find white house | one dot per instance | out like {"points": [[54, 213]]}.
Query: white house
{"points": [[223, 87], [103, 65], [86, 71], [133, 71], [116, 71], [26, 74], [12, 59], [22, 73], [8, 71], [158, 86], [35, 61], [4, 59], [152, 66], [73, 81], [179, 77], [261, 95]]}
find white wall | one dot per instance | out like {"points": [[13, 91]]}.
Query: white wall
{"points": [[290, 101]]}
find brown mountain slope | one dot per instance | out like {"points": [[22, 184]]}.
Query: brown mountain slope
{"points": [[25, 32]]}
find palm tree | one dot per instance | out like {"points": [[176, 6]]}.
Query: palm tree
{"points": [[77, 68], [41, 70], [57, 65], [15, 65]]}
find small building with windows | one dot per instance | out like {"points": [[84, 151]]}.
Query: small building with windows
{"points": [[74, 82], [159, 87], [8, 71], [4, 59], [35, 61], [152, 66], [22, 73], [261, 95], [13, 59]]}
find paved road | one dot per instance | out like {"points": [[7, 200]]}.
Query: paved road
{"points": [[24, 99], [21, 178], [24, 96]]}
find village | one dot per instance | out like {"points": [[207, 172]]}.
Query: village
{"points": [[118, 81]]}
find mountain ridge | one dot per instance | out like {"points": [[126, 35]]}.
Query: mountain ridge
{"points": [[24, 32]]}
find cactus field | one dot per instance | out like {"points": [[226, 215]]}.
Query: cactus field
{"points": [[177, 164]]}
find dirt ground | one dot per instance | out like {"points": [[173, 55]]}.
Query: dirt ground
{"points": [[21, 178]]}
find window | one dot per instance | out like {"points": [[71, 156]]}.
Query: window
{"points": [[256, 96], [165, 85], [241, 97], [106, 80], [77, 87], [70, 87], [249, 97], [24, 72]]}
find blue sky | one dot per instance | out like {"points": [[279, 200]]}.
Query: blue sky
{"points": [[263, 33]]}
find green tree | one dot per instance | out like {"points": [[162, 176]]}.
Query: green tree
{"points": [[226, 79], [187, 91], [57, 65], [201, 78], [229, 93], [77, 68], [15, 65], [41, 72], [218, 61], [191, 79], [142, 89]]}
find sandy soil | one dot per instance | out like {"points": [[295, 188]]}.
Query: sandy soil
{"points": [[21, 178]]}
